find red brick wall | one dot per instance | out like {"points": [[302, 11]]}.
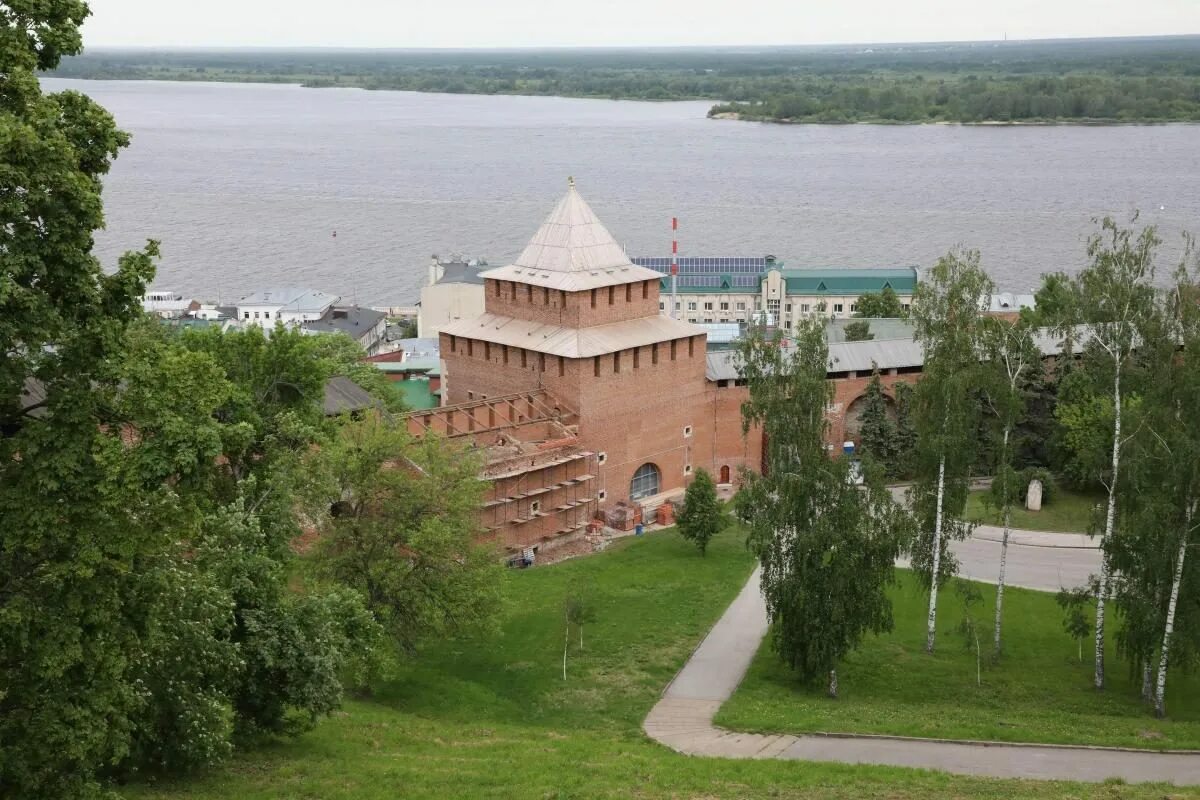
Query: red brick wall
{"points": [[847, 390], [571, 309]]}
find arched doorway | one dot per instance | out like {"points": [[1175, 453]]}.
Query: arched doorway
{"points": [[647, 481], [725, 473]]}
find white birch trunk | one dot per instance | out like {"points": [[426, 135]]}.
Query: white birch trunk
{"points": [[833, 687], [1160, 685], [931, 629], [566, 640], [1003, 551], [1109, 521]]}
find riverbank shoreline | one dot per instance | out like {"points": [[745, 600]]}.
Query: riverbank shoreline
{"points": [[720, 116]]}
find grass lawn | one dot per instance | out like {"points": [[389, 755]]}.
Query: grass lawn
{"points": [[1040, 692], [1067, 512], [494, 719]]}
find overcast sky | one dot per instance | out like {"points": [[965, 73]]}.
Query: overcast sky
{"points": [[547, 23]]}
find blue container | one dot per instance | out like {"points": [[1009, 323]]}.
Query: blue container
{"points": [[639, 529]]}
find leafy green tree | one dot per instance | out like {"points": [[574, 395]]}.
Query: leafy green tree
{"points": [[1074, 603], [1008, 355], [885, 304], [702, 516], [77, 526], [859, 331], [877, 432], [947, 312], [1107, 300], [399, 523], [827, 548], [906, 432], [1156, 584]]}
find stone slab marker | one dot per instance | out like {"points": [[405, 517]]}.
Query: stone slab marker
{"points": [[1033, 497]]}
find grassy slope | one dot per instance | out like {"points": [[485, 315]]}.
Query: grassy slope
{"points": [[1040, 692], [494, 719], [1067, 512]]}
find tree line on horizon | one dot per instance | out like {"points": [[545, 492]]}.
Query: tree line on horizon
{"points": [[1104, 80]]}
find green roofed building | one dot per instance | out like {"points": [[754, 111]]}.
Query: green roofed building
{"points": [[738, 289]]}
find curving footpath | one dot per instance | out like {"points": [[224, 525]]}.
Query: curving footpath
{"points": [[683, 718]]}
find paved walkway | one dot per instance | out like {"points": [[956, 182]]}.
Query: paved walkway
{"points": [[682, 719]]}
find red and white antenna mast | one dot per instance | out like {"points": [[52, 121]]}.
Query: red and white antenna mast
{"points": [[674, 269]]}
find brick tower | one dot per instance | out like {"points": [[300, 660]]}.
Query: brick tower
{"points": [[572, 316]]}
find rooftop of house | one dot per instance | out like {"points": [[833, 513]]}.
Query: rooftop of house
{"points": [[835, 329], [343, 395], [413, 348], [863, 357], [430, 367], [572, 251], [461, 272], [849, 282], [290, 298], [353, 321]]}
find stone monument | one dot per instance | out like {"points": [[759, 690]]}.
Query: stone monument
{"points": [[1033, 497]]}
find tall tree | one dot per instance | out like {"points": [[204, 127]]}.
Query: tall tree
{"points": [[76, 524], [826, 547], [1157, 584], [876, 431], [702, 517], [1009, 355], [399, 523], [906, 432], [1107, 300], [947, 314]]}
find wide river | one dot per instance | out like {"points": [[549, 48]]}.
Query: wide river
{"points": [[245, 185]]}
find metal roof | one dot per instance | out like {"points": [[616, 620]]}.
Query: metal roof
{"points": [[881, 328], [461, 272], [881, 354], [354, 321], [558, 340], [834, 281], [343, 395], [572, 251], [291, 298]]}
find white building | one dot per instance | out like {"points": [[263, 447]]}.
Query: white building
{"points": [[454, 291], [288, 305], [165, 303]]}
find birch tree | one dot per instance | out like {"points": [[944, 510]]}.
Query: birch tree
{"points": [[1107, 300], [826, 547], [1009, 355], [947, 313], [1163, 522]]}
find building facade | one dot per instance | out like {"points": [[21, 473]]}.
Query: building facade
{"points": [[453, 291], [739, 289]]}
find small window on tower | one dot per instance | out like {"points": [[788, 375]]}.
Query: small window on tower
{"points": [[601, 458]]}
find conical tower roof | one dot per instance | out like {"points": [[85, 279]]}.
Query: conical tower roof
{"points": [[572, 251]]}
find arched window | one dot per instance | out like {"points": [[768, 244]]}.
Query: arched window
{"points": [[646, 482]]}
